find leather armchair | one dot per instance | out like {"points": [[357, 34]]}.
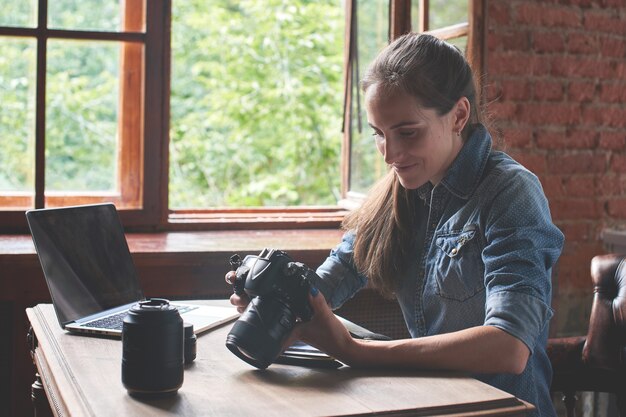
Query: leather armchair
{"points": [[596, 361]]}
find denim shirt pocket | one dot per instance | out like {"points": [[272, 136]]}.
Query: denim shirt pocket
{"points": [[458, 267]]}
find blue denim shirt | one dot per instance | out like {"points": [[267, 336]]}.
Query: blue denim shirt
{"points": [[485, 247]]}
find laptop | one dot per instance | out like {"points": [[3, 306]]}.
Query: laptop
{"points": [[90, 272]]}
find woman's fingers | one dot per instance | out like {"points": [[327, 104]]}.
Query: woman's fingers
{"points": [[240, 301], [230, 277]]}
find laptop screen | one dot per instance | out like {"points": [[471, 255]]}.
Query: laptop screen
{"points": [[85, 259]]}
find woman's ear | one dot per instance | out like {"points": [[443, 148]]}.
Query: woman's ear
{"points": [[461, 114]]}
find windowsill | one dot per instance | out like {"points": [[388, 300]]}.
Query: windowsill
{"points": [[295, 220], [198, 242]]}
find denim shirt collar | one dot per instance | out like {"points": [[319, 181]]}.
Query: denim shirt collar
{"points": [[464, 175]]}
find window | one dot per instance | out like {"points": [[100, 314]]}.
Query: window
{"points": [[255, 103], [240, 128], [74, 96]]}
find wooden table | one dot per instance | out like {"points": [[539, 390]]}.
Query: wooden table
{"points": [[82, 377]]}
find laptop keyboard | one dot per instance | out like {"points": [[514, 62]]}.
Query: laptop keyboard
{"points": [[115, 321]]}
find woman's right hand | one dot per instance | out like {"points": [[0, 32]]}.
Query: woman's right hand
{"points": [[239, 301]]}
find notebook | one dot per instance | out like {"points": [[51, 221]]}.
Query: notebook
{"points": [[90, 272]]}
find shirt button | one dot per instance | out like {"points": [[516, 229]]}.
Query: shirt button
{"points": [[453, 251]]}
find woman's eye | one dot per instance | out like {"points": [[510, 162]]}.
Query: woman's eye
{"points": [[407, 133]]}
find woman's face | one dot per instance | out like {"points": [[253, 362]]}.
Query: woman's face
{"points": [[416, 142]]}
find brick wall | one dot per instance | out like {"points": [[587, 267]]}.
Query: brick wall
{"points": [[556, 84]]}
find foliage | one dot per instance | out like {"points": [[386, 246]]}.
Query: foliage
{"points": [[255, 103], [81, 108], [81, 116]]}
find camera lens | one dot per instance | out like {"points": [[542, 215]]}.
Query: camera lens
{"points": [[152, 345], [257, 337]]}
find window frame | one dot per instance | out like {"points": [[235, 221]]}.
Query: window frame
{"points": [[141, 152], [152, 192]]}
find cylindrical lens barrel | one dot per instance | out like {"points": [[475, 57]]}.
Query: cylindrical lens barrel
{"points": [[152, 339], [257, 337]]}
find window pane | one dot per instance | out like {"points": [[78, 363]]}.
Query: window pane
{"points": [[366, 164], [256, 103], [82, 116], [97, 15], [444, 13], [20, 13], [17, 121]]}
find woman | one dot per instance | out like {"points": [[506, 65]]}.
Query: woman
{"points": [[459, 233]]}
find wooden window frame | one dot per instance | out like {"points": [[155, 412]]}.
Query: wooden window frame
{"points": [[141, 155], [144, 166]]}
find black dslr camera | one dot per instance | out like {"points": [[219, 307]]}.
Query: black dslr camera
{"points": [[278, 288]]}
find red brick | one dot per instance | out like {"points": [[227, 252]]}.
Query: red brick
{"points": [[510, 63], [583, 43], [517, 63], [579, 186], [615, 116], [548, 42], [549, 113], [498, 12], [583, 67], [533, 162], [580, 3], [583, 162], [608, 116], [503, 110], [517, 137], [515, 89], [576, 231], [493, 43], [538, 14], [612, 92], [613, 3], [507, 64], [581, 91], [611, 46], [575, 209], [576, 139], [548, 90], [550, 139], [493, 91], [515, 40], [603, 21], [617, 208], [579, 232], [553, 186], [574, 264], [583, 139], [611, 185], [618, 163], [613, 140]]}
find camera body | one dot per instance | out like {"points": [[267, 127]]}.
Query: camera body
{"points": [[278, 288]]}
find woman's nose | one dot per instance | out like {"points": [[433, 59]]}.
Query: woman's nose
{"points": [[389, 150]]}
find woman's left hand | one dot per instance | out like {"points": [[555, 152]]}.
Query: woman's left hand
{"points": [[324, 331]]}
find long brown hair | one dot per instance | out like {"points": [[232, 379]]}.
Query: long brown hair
{"points": [[437, 75]]}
